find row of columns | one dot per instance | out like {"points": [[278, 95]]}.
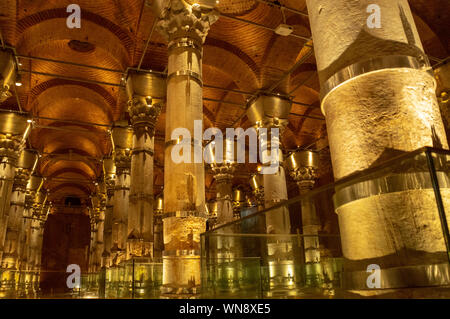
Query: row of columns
{"points": [[369, 82]]}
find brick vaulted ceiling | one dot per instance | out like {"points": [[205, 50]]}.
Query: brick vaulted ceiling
{"points": [[238, 55]]}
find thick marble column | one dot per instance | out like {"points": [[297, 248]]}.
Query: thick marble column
{"points": [[302, 166], [25, 165], [33, 186], [146, 95], [109, 174], [13, 132], [442, 74], [378, 97], [185, 27], [123, 137]]}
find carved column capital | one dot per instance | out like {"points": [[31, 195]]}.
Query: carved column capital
{"points": [[10, 147], [223, 172], [122, 159], [21, 178], [305, 177], [178, 19], [144, 113]]}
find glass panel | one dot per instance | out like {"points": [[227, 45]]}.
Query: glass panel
{"points": [[385, 217]]}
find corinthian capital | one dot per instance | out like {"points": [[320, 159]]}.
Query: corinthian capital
{"points": [[178, 19], [144, 113]]}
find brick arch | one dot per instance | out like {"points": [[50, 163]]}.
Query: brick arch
{"points": [[225, 56], [56, 13], [37, 90]]}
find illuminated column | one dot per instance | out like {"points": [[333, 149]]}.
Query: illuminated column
{"points": [[123, 139], [26, 163], [158, 246], [14, 130], [302, 166], [379, 100], [109, 171], [211, 209], [267, 113], [239, 202], [256, 183], [223, 170], [146, 95], [39, 217], [7, 74], [442, 74], [100, 213], [33, 186], [185, 27], [92, 243]]}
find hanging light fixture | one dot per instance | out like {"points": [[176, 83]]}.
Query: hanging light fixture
{"points": [[18, 79]]}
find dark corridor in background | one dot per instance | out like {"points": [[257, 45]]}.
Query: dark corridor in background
{"points": [[66, 241]]}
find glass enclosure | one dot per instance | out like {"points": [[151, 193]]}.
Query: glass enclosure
{"points": [[244, 259], [316, 257]]}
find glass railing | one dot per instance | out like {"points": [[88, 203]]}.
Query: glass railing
{"points": [[382, 228]]}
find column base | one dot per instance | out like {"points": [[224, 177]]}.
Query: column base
{"points": [[437, 275]]}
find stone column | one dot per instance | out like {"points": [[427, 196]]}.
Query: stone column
{"points": [[39, 216], [442, 74], [256, 183], [267, 113], [109, 171], [378, 97], [10, 259], [13, 132], [146, 95], [185, 27], [158, 246], [223, 170], [302, 166], [33, 186], [7, 74], [223, 173], [92, 243], [123, 137]]}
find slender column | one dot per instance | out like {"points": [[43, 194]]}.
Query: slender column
{"points": [[101, 208], [267, 113], [92, 244], [146, 93], [109, 171], [39, 216], [158, 232], [379, 100], [122, 137], [13, 132], [185, 27], [256, 183], [239, 202], [302, 166], [224, 188], [223, 170]]}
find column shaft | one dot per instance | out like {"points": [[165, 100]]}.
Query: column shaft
{"points": [[379, 100], [185, 28]]}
